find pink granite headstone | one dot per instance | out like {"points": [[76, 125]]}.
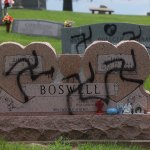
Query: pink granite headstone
{"points": [[35, 80]]}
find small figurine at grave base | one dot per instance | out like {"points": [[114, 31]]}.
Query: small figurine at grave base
{"points": [[120, 108], [140, 110], [112, 111], [99, 105], [128, 109]]}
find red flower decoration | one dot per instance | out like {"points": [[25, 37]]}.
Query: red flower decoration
{"points": [[8, 19]]}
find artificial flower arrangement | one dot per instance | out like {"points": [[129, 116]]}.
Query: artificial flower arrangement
{"points": [[8, 19]]}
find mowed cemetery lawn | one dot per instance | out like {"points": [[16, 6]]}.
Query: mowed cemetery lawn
{"points": [[79, 19], [62, 145], [60, 16]]}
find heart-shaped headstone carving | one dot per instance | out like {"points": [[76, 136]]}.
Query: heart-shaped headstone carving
{"points": [[24, 65], [126, 64]]}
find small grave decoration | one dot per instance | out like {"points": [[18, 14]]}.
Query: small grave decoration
{"points": [[99, 105], [68, 23], [112, 111], [8, 20]]}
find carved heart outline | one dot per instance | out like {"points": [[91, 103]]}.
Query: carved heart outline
{"points": [[105, 48], [41, 49]]}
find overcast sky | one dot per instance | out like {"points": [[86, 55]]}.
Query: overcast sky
{"points": [[131, 7]]}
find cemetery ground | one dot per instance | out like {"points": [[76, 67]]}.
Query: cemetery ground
{"points": [[79, 19], [60, 145]]}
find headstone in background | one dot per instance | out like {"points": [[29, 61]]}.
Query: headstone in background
{"points": [[37, 27], [32, 4], [148, 13], [18, 4], [1, 12], [34, 80], [75, 40]]}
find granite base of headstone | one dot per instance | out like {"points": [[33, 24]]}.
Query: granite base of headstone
{"points": [[85, 127], [44, 95]]}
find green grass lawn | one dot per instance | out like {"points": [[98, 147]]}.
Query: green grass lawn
{"points": [[59, 16], [78, 18], [59, 145]]}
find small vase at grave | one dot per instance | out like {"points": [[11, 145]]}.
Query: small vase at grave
{"points": [[8, 27]]}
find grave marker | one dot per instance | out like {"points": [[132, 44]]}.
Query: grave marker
{"points": [[37, 27], [121, 65], [1, 12], [33, 4], [34, 80], [75, 40]]}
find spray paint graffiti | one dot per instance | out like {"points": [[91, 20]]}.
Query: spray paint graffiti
{"points": [[30, 67], [112, 32], [80, 88], [121, 70], [132, 33], [82, 39]]}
